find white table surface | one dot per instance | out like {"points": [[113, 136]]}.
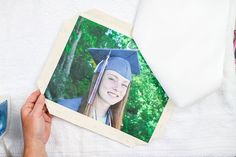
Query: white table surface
{"points": [[27, 32]]}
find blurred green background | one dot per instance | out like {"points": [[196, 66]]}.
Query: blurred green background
{"points": [[74, 72]]}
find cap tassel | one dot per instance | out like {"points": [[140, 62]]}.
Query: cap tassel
{"points": [[92, 96]]}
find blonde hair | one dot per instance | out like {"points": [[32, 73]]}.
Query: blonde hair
{"points": [[117, 110]]}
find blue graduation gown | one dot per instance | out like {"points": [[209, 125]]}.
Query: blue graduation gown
{"points": [[73, 103]]}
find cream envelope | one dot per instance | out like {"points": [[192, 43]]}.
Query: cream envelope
{"points": [[66, 112]]}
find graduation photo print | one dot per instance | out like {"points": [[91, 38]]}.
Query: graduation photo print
{"points": [[102, 75]]}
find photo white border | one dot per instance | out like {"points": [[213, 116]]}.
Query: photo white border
{"points": [[78, 118]]}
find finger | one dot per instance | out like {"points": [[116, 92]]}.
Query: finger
{"points": [[50, 115], [47, 131], [38, 108], [47, 118], [25, 111], [33, 97], [29, 104], [46, 111]]}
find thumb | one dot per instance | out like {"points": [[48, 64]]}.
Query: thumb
{"points": [[38, 108]]}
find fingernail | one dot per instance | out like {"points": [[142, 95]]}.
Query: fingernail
{"points": [[36, 91]]}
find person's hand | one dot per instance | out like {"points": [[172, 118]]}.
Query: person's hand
{"points": [[36, 124]]}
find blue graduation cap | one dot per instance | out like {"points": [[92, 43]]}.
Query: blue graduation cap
{"points": [[3, 117], [124, 62]]}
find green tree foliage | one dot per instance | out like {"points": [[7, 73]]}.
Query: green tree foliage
{"points": [[146, 100]]}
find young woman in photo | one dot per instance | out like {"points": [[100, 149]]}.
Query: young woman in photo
{"points": [[110, 85]]}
